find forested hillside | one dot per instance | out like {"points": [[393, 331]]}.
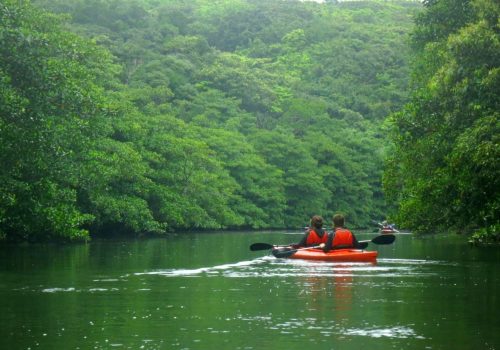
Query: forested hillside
{"points": [[444, 171], [148, 116]]}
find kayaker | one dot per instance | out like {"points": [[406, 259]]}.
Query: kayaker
{"points": [[385, 226], [340, 237], [314, 234]]}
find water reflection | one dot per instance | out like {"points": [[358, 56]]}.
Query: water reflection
{"points": [[331, 294], [328, 291], [154, 295]]}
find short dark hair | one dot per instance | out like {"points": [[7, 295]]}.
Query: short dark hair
{"points": [[338, 220], [317, 221]]}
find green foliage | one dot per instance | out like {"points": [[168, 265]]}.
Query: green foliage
{"points": [[227, 114], [487, 235], [445, 170], [50, 107], [260, 196], [302, 183]]}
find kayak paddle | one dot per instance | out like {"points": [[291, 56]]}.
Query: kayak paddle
{"points": [[383, 239], [362, 244], [287, 252], [261, 246], [265, 246]]}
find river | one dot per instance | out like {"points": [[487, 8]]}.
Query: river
{"points": [[209, 291]]}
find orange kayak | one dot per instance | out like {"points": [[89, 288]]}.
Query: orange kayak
{"points": [[349, 255]]}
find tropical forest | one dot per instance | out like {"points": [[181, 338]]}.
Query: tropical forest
{"points": [[136, 118]]}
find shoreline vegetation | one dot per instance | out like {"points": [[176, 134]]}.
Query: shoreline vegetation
{"points": [[139, 118]]}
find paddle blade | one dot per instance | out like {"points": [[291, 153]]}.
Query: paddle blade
{"points": [[261, 246], [384, 239], [283, 252], [362, 245]]}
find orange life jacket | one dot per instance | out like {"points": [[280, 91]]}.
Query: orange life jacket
{"points": [[314, 239], [343, 237]]}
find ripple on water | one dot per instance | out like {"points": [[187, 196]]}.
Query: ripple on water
{"points": [[330, 327], [75, 290], [268, 267], [56, 290], [391, 332]]}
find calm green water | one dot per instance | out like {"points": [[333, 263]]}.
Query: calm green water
{"points": [[208, 291]]}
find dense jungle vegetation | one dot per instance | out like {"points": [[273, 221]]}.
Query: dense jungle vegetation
{"points": [[147, 116], [444, 170]]}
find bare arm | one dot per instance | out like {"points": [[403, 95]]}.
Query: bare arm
{"points": [[303, 241], [329, 242]]}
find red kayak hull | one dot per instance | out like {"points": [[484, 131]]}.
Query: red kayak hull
{"points": [[340, 255]]}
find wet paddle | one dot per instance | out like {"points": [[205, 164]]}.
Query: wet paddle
{"points": [[362, 245], [382, 239], [287, 252], [265, 246], [261, 246]]}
